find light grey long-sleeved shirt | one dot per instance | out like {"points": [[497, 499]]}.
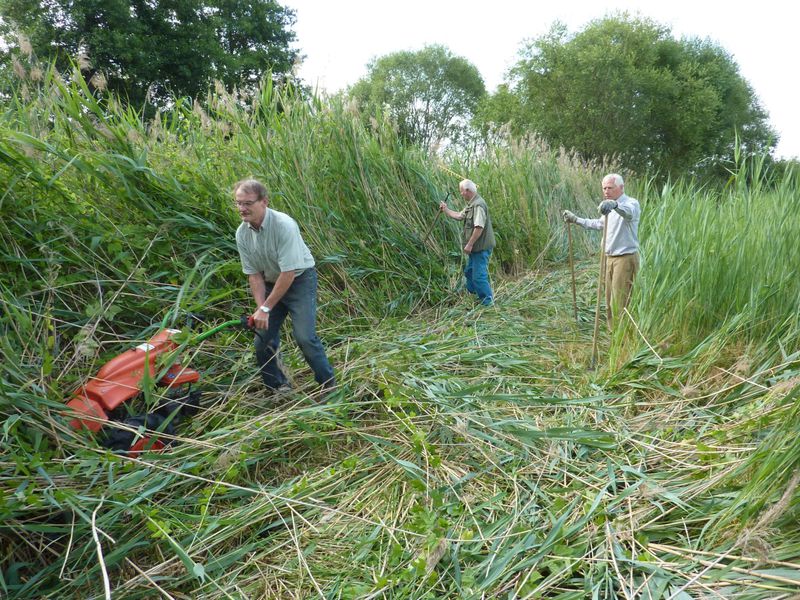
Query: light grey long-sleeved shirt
{"points": [[623, 227]]}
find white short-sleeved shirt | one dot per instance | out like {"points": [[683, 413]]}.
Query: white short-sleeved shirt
{"points": [[479, 218], [274, 248]]}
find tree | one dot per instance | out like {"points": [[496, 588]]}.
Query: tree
{"points": [[624, 87], [154, 49], [254, 36], [431, 94]]}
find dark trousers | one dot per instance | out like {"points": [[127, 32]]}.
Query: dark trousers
{"points": [[300, 301]]}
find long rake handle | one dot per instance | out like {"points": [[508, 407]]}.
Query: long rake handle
{"points": [[430, 229], [435, 220], [599, 292], [572, 269]]}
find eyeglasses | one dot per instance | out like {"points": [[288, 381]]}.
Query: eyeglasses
{"points": [[246, 204]]}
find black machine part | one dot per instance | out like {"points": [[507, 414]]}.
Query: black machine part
{"points": [[164, 419]]}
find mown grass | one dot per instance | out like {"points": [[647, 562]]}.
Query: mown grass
{"points": [[468, 452], [470, 456]]}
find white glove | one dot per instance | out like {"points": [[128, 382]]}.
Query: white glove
{"points": [[569, 217]]}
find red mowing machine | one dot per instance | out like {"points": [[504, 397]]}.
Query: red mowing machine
{"points": [[102, 405]]}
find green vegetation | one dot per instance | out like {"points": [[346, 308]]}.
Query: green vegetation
{"points": [[430, 94], [625, 87], [723, 257], [468, 452], [152, 52]]}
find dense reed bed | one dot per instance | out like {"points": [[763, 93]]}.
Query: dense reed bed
{"points": [[469, 452]]}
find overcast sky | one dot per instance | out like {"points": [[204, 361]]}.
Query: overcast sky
{"points": [[339, 37]]}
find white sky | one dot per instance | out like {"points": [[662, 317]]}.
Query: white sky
{"points": [[339, 37]]}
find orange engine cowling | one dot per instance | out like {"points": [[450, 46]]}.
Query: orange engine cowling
{"points": [[120, 379]]}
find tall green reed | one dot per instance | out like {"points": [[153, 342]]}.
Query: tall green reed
{"points": [[709, 256]]}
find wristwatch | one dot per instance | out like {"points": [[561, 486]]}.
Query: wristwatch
{"points": [[265, 309]]}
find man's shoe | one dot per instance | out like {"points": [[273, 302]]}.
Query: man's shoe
{"points": [[282, 390]]}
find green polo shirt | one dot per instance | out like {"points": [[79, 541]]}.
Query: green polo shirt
{"points": [[274, 248]]}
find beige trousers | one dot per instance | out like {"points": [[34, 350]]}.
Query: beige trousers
{"points": [[620, 273]]}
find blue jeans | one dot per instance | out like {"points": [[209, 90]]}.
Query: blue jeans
{"points": [[476, 274], [300, 300]]}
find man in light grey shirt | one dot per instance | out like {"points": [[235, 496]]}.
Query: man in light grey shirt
{"points": [[283, 281], [622, 242]]}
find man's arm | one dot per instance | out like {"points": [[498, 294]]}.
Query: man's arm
{"points": [[259, 290], [571, 217], [625, 209], [623, 206], [590, 223], [284, 281], [458, 216], [476, 233]]}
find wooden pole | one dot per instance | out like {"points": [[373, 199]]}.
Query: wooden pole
{"points": [[600, 281], [430, 229], [572, 269], [435, 220]]}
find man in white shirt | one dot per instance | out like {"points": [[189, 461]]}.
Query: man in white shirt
{"points": [[283, 281], [622, 242]]}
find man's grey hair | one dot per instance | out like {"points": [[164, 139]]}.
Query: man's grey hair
{"points": [[618, 181], [468, 184], [251, 186]]}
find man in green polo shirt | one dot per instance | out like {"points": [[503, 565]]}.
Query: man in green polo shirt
{"points": [[283, 281], [478, 240]]}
